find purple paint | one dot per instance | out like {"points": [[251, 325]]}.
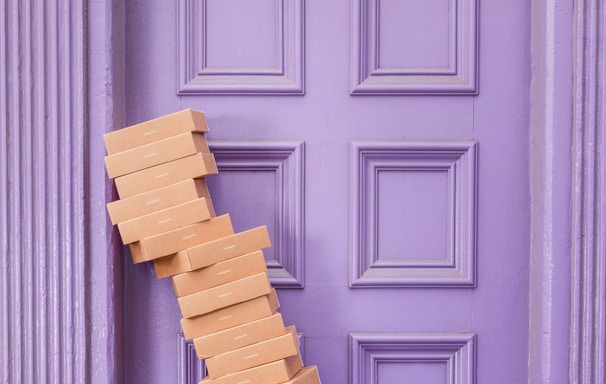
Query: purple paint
{"points": [[61, 272]]}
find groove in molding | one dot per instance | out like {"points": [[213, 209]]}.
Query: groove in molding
{"points": [[459, 160], [456, 350], [460, 77], [286, 159], [286, 78], [191, 369], [588, 324]]}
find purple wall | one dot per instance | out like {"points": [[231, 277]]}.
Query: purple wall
{"points": [[61, 274]]}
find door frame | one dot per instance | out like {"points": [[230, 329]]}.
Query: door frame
{"points": [[565, 147]]}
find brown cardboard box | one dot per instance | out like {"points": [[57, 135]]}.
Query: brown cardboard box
{"points": [[220, 273], [307, 375], [157, 199], [254, 355], [224, 249], [165, 220], [145, 156], [190, 167], [181, 238], [231, 316], [171, 243], [138, 254], [154, 130], [224, 295], [272, 373], [240, 336], [228, 247]]}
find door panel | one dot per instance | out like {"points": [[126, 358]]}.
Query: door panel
{"points": [[390, 168]]}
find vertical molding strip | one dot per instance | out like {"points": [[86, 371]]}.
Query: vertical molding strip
{"points": [[588, 326], [551, 178], [42, 269]]}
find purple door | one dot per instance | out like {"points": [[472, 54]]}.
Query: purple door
{"points": [[384, 143]]}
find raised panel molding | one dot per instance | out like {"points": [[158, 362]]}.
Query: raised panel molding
{"points": [[459, 160], [191, 369], [456, 350], [286, 159], [459, 77], [44, 274], [286, 77]]}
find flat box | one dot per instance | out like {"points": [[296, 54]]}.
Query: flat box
{"points": [[157, 199], [228, 247], [272, 373], [172, 264], [181, 238], [307, 375], [165, 220], [171, 242], [190, 167], [240, 336], [145, 156], [224, 295], [206, 254], [153, 130], [254, 355], [231, 316], [220, 273]]}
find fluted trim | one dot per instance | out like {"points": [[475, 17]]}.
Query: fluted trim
{"points": [[42, 205], [588, 323]]}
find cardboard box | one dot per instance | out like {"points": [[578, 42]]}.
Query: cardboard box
{"points": [[240, 336], [180, 239], [171, 242], [138, 254], [165, 220], [231, 316], [190, 167], [182, 262], [226, 248], [224, 295], [307, 375], [220, 273], [153, 130], [157, 199], [254, 355], [272, 373], [145, 156]]}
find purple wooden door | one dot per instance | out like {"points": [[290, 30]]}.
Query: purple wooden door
{"points": [[384, 144]]}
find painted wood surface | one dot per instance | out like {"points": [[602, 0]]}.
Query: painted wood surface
{"points": [[74, 70]]}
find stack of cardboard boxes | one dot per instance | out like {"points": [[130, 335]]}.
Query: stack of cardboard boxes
{"points": [[165, 215]]}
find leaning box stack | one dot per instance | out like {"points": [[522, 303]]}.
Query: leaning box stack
{"points": [[165, 215]]}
